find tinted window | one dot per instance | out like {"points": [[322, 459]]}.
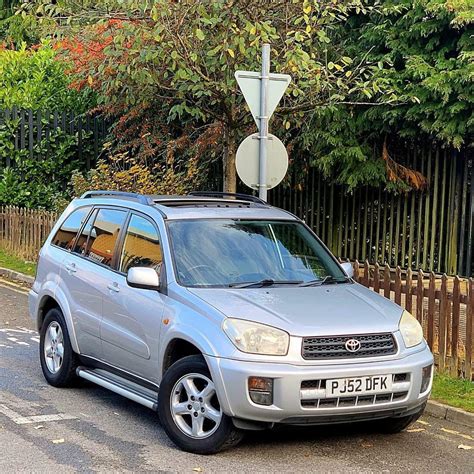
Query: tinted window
{"points": [[66, 234], [141, 247], [103, 235], [83, 241]]}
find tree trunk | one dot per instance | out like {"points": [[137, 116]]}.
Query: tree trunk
{"points": [[230, 173]]}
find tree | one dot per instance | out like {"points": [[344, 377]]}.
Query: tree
{"points": [[423, 49], [166, 69]]}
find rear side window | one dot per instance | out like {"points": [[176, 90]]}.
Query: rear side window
{"points": [[83, 240], [66, 234], [141, 247], [103, 236]]}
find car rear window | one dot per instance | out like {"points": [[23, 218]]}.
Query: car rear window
{"points": [[66, 235]]}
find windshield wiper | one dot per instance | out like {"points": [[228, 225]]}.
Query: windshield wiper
{"points": [[262, 283], [328, 279]]}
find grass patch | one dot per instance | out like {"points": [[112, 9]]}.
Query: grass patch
{"points": [[16, 264], [458, 393]]}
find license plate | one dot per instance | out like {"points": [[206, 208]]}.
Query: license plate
{"points": [[359, 386]]}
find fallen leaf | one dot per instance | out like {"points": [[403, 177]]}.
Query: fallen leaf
{"points": [[450, 431], [115, 413], [465, 446], [39, 427], [415, 430], [58, 441], [197, 469]]}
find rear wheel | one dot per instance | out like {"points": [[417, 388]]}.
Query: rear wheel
{"points": [[396, 425], [189, 409], [58, 360]]}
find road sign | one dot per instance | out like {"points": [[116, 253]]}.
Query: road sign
{"points": [[249, 83], [247, 161]]}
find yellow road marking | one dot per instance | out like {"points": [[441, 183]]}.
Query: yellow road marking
{"points": [[13, 286]]}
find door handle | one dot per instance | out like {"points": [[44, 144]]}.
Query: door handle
{"points": [[113, 287], [71, 267]]}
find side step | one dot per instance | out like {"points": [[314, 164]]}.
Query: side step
{"points": [[121, 386]]}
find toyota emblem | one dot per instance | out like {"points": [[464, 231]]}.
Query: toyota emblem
{"points": [[352, 345]]}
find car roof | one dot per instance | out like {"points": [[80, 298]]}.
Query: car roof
{"points": [[198, 205]]}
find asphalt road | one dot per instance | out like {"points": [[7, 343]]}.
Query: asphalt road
{"points": [[90, 429]]}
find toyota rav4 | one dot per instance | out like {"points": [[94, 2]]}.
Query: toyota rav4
{"points": [[223, 314]]}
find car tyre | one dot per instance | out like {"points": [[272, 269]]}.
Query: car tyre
{"points": [[396, 425], [189, 410], [58, 360]]}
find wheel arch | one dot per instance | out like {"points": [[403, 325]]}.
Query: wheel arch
{"points": [[58, 300]]}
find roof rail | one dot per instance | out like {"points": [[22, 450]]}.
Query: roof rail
{"points": [[245, 197], [141, 198]]}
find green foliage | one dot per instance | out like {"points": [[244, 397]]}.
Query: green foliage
{"points": [[40, 180], [365, 73], [167, 68], [35, 79]]}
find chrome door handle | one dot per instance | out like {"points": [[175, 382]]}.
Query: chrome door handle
{"points": [[113, 287], [71, 267]]}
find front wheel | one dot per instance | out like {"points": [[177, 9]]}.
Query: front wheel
{"points": [[189, 409]]}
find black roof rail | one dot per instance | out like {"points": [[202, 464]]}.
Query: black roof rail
{"points": [[219, 194], [141, 198]]}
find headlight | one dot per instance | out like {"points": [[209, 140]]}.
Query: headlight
{"points": [[411, 330], [256, 338]]}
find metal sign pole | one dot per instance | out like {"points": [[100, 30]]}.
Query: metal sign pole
{"points": [[262, 181]]}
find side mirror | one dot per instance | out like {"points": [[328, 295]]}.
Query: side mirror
{"points": [[348, 269], [143, 277]]}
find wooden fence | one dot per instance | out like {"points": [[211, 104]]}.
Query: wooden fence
{"points": [[23, 231], [26, 128], [432, 229], [443, 305]]}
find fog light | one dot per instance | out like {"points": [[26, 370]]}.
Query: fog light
{"points": [[425, 378], [261, 390]]}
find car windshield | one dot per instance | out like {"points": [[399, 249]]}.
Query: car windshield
{"points": [[235, 253]]}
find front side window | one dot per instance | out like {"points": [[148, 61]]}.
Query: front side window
{"points": [[66, 234], [141, 247], [104, 234], [224, 252]]}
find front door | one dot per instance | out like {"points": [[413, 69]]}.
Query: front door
{"points": [[131, 321]]}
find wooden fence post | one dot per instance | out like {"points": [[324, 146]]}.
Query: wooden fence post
{"points": [[386, 281], [469, 327], [356, 270], [419, 296], [431, 309], [398, 285], [408, 290], [455, 325], [442, 324], [377, 278], [367, 274]]}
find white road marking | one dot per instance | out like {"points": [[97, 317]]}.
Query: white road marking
{"points": [[23, 420], [13, 339], [29, 331], [36, 339]]}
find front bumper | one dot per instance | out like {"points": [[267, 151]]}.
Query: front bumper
{"points": [[231, 376]]}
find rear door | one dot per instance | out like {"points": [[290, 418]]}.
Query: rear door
{"points": [[131, 319], [87, 272]]}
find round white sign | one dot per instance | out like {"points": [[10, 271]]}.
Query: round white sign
{"points": [[246, 161]]}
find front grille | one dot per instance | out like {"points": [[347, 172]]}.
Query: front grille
{"points": [[334, 347], [313, 394]]}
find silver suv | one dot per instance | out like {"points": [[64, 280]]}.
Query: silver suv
{"points": [[224, 314]]}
